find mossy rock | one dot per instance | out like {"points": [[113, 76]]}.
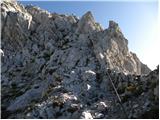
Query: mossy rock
{"points": [[118, 29], [131, 88]]}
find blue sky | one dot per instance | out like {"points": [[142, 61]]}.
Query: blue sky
{"points": [[137, 20]]}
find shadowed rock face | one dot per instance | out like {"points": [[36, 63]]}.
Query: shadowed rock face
{"points": [[54, 66]]}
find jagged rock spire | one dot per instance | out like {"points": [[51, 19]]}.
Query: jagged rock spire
{"points": [[113, 24], [114, 27], [88, 16], [87, 24]]}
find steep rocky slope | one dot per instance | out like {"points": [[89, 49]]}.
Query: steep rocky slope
{"points": [[58, 66]]}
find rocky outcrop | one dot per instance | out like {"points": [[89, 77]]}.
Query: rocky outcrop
{"points": [[113, 48], [54, 66], [87, 24], [139, 94]]}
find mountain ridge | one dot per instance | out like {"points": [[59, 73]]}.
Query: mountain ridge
{"points": [[85, 25], [54, 66]]}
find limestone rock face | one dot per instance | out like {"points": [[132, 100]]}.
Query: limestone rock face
{"points": [[113, 46], [55, 66], [87, 24], [16, 22]]}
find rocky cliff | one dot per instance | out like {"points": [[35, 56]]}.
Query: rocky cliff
{"points": [[54, 66]]}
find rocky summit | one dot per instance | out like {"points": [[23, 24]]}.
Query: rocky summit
{"points": [[60, 66]]}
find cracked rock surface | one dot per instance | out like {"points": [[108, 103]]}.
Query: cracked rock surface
{"points": [[60, 66]]}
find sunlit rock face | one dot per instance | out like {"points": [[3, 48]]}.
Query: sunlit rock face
{"points": [[87, 24], [54, 66], [113, 46]]}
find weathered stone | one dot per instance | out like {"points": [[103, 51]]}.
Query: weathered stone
{"points": [[99, 115], [86, 115], [33, 94], [87, 24], [60, 66]]}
